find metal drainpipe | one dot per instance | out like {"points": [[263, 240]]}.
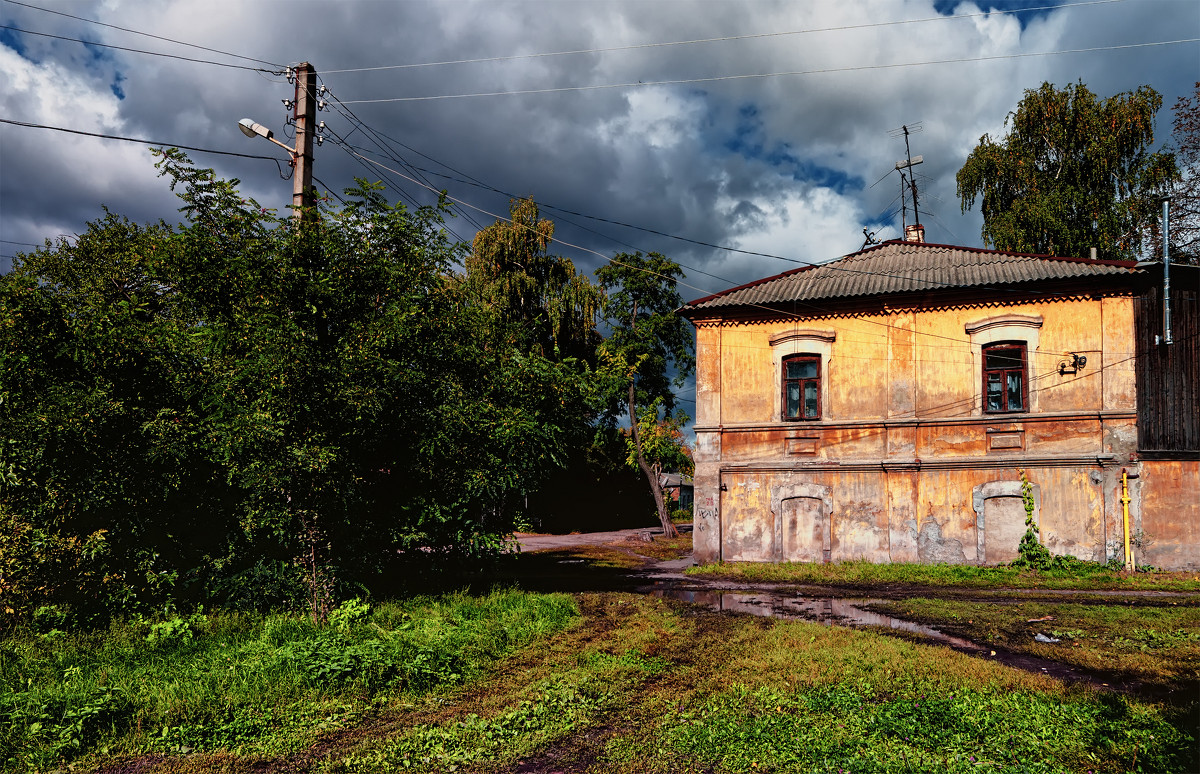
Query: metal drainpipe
{"points": [[1129, 565], [1166, 252]]}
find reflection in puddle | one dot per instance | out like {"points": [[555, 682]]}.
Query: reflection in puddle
{"points": [[826, 610]]}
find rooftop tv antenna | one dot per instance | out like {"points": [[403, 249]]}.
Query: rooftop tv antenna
{"points": [[909, 181]]}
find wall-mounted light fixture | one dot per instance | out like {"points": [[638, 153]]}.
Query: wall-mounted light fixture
{"points": [[1074, 365]]}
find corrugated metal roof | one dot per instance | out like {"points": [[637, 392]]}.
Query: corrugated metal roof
{"points": [[906, 267]]}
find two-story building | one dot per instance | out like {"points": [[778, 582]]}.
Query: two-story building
{"points": [[883, 406]]}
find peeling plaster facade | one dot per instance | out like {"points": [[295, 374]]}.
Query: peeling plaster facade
{"points": [[903, 464]]}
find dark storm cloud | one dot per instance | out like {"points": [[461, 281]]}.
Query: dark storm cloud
{"points": [[783, 165]]}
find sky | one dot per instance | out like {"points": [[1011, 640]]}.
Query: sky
{"points": [[737, 138]]}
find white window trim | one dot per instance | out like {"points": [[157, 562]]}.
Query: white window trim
{"points": [[1008, 327], [801, 342]]}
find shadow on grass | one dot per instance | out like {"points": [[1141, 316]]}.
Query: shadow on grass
{"points": [[574, 570]]}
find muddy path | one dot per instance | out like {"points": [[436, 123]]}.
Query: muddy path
{"points": [[566, 563]]}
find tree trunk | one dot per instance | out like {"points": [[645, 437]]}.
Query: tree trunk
{"points": [[655, 485]]}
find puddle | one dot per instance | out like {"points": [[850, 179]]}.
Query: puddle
{"points": [[850, 612], [831, 611]]}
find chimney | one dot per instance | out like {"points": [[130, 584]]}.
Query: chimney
{"points": [[914, 233]]}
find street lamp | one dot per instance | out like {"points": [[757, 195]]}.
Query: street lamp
{"points": [[254, 129], [305, 117]]}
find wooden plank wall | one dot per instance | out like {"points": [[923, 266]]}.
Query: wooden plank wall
{"points": [[1168, 376]]}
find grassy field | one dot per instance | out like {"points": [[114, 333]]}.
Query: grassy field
{"points": [[1084, 576], [247, 685], [599, 682]]}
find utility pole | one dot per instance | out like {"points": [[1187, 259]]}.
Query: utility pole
{"points": [[305, 118]]}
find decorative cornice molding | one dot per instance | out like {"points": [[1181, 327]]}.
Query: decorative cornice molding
{"points": [[917, 465], [741, 317], [1019, 320], [995, 420], [802, 334]]}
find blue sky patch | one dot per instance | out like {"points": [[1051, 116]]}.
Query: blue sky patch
{"points": [[116, 86], [12, 39], [1019, 8], [749, 141]]}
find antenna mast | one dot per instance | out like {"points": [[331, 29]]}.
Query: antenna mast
{"points": [[910, 182]]}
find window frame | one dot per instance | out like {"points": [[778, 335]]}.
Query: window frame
{"points": [[990, 348], [784, 381]]}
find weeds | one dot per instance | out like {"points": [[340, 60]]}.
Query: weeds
{"points": [[1079, 575], [619, 684], [247, 683]]}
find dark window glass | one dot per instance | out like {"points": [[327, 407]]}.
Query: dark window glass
{"points": [[802, 387], [1004, 379]]}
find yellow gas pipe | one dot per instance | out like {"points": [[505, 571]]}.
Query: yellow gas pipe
{"points": [[1125, 518]]}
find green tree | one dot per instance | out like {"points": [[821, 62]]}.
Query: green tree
{"points": [[546, 303], [101, 420], [1185, 198], [242, 402], [648, 351], [1074, 171]]}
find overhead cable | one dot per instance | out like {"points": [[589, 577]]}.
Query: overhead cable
{"points": [[146, 34], [750, 36], [750, 76], [143, 142], [478, 183], [607, 259], [139, 51]]}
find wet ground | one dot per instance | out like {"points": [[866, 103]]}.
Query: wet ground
{"points": [[563, 570]]}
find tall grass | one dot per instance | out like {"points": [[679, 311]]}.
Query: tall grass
{"points": [[244, 682]]}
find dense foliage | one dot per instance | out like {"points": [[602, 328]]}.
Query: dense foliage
{"points": [[255, 410], [1073, 172]]}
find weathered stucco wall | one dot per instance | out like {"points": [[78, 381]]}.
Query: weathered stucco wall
{"points": [[1169, 518], [924, 364], [903, 464]]}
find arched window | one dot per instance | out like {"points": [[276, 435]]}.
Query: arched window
{"points": [[1005, 379], [801, 387]]}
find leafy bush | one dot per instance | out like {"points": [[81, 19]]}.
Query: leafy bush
{"points": [[176, 631], [350, 613], [229, 679]]}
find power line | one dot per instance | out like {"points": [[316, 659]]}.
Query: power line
{"points": [[812, 264], [375, 137], [138, 50], [146, 34], [751, 36], [475, 182], [773, 310], [330, 190], [751, 76], [640, 228], [143, 142]]}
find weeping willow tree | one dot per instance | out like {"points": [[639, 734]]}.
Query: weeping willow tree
{"points": [[541, 301]]}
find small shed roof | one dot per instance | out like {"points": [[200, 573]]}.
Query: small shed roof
{"points": [[906, 267]]}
